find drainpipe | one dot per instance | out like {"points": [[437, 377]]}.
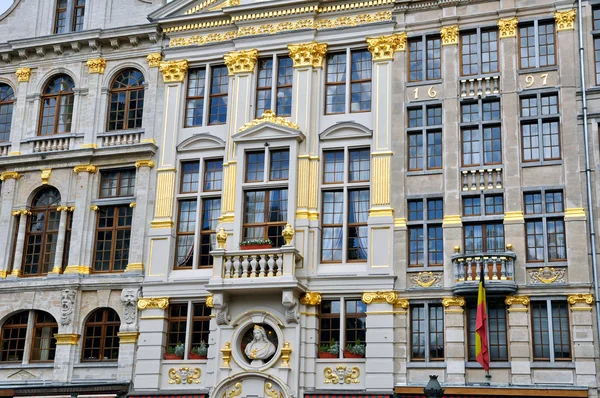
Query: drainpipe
{"points": [[588, 171]]}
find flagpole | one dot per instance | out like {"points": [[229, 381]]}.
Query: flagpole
{"points": [[488, 376]]}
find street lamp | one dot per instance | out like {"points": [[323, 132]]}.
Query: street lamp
{"points": [[433, 388]]}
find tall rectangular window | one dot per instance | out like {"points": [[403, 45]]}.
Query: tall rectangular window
{"points": [[425, 245], [427, 332], [265, 215], [596, 34], [335, 100], [117, 183], [497, 330], [551, 339], [545, 226], [194, 105], [192, 333], [479, 52], [424, 58], [346, 203], [281, 91], [60, 19], [481, 133], [343, 322], [424, 137], [336, 97], [537, 44], [113, 233], [78, 14], [264, 83], [219, 87], [540, 132]]}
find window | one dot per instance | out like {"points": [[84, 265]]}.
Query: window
{"points": [[218, 95], [550, 330], [7, 100], [427, 323], [42, 233], [126, 101], [194, 111], [484, 238], [113, 232], [540, 133], [346, 203], [69, 10], [497, 330], [424, 137], [426, 243], [117, 183], [481, 133], [359, 84], [492, 205], [479, 52], [343, 321], [100, 340], [17, 331], [57, 106], [537, 45], [282, 90], [596, 28], [545, 226], [424, 58], [208, 199], [188, 324]]}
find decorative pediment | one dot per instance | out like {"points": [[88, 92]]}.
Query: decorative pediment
{"points": [[201, 142], [345, 130], [23, 375], [268, 131], [190, 7]]}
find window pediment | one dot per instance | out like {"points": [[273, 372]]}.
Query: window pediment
{"points": [[199, 142], [346, 130], [268, 131]]}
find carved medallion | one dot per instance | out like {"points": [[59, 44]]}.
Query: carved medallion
{"points": [[426, 279], [184, 375], [547, 275], [341, 375]]}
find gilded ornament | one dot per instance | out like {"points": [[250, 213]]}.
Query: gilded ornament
{"points": [[16, 273], [226, 352], [226, 3], [66, 339], [308, 54], [341, 375], [270, 117], [548, 275], [357, 20], [383, 48], [77, 269], [8, 175], [270, 391], [425, 279], [271, 29], [523, 300], [311, 298], [221, 238], [96, 65], [508, 27], [401, 303], [288, 234], [94, 208], [565, 20], [380, 297], [46, 176], [144, 163], [85, 168], [236, 392], [200, 40], [62, 208], [128, 337], [145, 303], [575, 212], [241, 61], [286, 352], [184, 375], [581, 298], [134, 267], [23, 212], [453, 301], [173, 71], [209, 301], [449, 35], [23, 74], [154, 60], [3, 274]]}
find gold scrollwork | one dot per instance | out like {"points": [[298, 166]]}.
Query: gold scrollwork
{"points": [[341, 375], [209, 301], [200, 40], [173, 71], [311, 298], [144, 163], [23, 74], [269, 117], [85, 168], [449, 35], [456, 301], [548, 275], [241, 61], [523, 300], [508, 27], [383, 47], [380, 297], [425, 279], [270, 391], [356, 20], [565, 20], [154, 59], [145, 303], [270, 29], [581, 298], [236, 392], [184, 375], [308, 54], [96, 65], [8, 175]]}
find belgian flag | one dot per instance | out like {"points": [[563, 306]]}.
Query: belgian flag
{"points": [[481, 335]]}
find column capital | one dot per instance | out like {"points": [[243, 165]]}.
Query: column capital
{"points": [[77, 269], [128, 337], [146, 303], [23, 74], [449, 35], [173, 71], [96, 65], [390, 297], [308, 54], [585, 298], [383, 48], [88, 168], [23, 212], [508, 27], [565, 20], [311, 298], [511, 300], [456, 301], [7, 175], [241, 61], [154, 59], [144, 163], [67, 339]]}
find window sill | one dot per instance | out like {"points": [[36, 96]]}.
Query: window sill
{"points": [[493, 365], [424, 172], [123, 200], [91, 364], [121, 132], [541, 164], [553, 365], [425, 83], [351, 360], [536, 70], [424, 365], [50, 137], [20, 365], [543, 264]]}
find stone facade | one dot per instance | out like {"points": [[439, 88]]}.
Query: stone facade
{"points": [[363, 141]]}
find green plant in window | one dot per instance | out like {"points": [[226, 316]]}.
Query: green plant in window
{"points": [[201, 349], [333, 347]]}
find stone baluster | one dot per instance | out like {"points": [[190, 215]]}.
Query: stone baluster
{"points": [[245, 264], [263, 264], [228, 267], [236, 267], [279, 263]]}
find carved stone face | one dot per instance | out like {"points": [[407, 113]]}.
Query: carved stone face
{"points": [[129, 297]]}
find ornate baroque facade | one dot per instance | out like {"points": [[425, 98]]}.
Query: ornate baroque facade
{"points": [[293, 199]]}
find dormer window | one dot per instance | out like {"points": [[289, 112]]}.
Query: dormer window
{"points": [[69, 16]]}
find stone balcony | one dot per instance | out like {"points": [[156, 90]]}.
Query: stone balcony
{"points": [[479, 86], [498, 269]]}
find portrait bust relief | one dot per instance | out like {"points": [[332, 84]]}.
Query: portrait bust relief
{"points": [[261, 344]]}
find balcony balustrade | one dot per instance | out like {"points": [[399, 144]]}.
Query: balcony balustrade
{"points": [[52, 144], [4, 148], [498, 270], [479, 86], [481, 179], [120, 138]]}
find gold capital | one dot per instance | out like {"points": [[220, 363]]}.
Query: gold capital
{"points": [[87, 168], [145, 303], [77, 269], [390, 297], [132, 267], [46, 176], [241, 61], [456, 301], [173, 71], [23, 74], [508, 27], [449, 35], [581, 298], [209, 301], [66, 339], [144, 163], [128, 337], [7, 175], [308, 54], [154, 60], [452, 220], [565, 20], [96, 65], [383, 47], [311, 298], [523, 300]]}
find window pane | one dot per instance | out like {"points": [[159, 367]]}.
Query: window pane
{"points": [[418, 332], [358, 213], [213, 175], [280, 164], [333, 212], [285, 74], [195, 97], [361, 81], [255, 166], [360, 164], [540, 331], [333, 170]]}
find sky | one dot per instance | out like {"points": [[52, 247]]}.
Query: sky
{"points": [[4, 4]]}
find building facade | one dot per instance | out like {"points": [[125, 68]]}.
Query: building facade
{"points": [[297, 199]]}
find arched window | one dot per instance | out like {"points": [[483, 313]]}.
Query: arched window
{"points": [[7, 99], [57, 106], [126, 101], [42, 233], [100, 340], [69, 10], [16, 333]]}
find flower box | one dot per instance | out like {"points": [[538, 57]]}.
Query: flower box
{"points": [[191, 355], [327, 355], [256, 247], [173, 357], [348, 354]]}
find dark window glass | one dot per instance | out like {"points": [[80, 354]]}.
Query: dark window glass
{"points": [[545, 236], [356, 322], [177, 325], [479, 52], [484, 238], [551, 338], [537, 53], [43, 346], [333, 227], [200, 324], [117, 183], [211, 210], [57, 106], [60, 17], [194, 108], [280, 164], [100, 340], [329, 321], [78, 14], [264, 82], [497, 330], [189, 177], [425, 141], [360, 81], [113, 233], [126, 101], [186, 226], [358, 231], [425, 57], [360, 165], [285, 76], [7, 99], [14, 338], [255, 166], [265, 215], [335, 87], [334, 167], [218, 95], [213, 175], [472, 206]]}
